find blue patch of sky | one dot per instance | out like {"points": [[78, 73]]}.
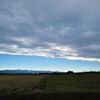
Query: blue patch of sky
{"points": [[45, 63]]}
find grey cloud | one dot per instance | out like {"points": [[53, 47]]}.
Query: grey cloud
{"points": [[55, 28]]}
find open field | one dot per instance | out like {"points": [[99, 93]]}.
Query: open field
{"points": [[19, 84], [84, 86], [72, 83]]}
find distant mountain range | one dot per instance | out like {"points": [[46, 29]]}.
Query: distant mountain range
{"points": [[39, 72], [23, 71]]}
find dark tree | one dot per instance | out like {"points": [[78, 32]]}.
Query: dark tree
{"points": [[70, 72]]}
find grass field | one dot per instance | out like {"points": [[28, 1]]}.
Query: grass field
{"points": [[19, 84], [84, 86], [73, 83]]}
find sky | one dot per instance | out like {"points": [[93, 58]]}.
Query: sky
{"points": [[50, 34]]}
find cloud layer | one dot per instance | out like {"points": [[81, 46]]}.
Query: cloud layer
{"points": [[53, 28]]}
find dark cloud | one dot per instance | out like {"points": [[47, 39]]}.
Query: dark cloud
{"points": [[55, 28]]}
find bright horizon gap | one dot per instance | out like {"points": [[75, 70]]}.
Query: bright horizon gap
{"points": [[45, 63]]}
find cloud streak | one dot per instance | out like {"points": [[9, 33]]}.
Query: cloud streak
{"points": [[70, 29]]}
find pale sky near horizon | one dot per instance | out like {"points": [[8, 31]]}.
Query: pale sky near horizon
{"points": [[50, 34]]}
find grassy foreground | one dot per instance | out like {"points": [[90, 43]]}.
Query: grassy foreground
{"points": [[84, 86]]}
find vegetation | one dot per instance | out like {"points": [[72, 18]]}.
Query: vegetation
{"points": [[19, 84], [72, 83], [83, 86]]}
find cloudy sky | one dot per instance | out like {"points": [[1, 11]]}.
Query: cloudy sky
{"points": [[68, 30]]}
